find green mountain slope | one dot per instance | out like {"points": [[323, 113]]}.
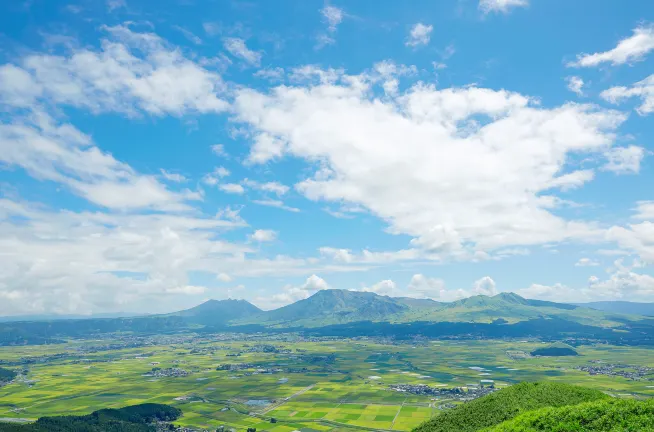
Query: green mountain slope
{"points": [[513, 308], [215, 312], [508, 403], [616, 415], [332, 307]]}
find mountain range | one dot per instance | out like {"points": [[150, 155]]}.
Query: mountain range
{"points": [[338, 312]]}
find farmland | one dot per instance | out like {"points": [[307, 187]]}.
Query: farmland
{"points": [[317, 384]]}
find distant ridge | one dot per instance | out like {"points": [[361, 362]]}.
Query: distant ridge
{"points": [[623, 307], [346, 312]]}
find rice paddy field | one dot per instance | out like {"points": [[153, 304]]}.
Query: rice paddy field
{"points": [[326, 385]]}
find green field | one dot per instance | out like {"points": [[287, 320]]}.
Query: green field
{"points": [[352, 392]]}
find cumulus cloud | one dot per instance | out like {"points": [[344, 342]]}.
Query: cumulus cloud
{"points": [[291, 293], [238, 48], [272, 187], [637, 238], [232, 188], [624, 160], [420, 34], [459, 187], [575, 85], [485, 286], [503, 6], [218, 150], [262, 235], [643, 89], [126, 74], [425, 287], [644, 210], [628, 50], [386, 287]]}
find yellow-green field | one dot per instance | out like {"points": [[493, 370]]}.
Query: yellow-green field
{"points": [[350, 393]]}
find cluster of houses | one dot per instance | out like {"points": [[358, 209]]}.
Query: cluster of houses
{"points": [[168, 372], [470, 392], [632, 372]]}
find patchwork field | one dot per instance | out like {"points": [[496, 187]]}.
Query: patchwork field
{"points": [[319, 385]]}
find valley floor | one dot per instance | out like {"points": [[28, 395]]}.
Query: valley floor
{"points": [[309, 385]]}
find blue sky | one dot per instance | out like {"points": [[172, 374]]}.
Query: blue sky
{"points": [[157, 154]]}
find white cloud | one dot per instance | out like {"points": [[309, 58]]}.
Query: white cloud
{"points": [[586, 262], [575, 85], [277, 204], [485, 286], [503, 6], [126, 75], [48, 150], [333, 16], [215, 176], [232, 188], [423, 286], [386, 287], [368, 257], [188, 35], [291, 294], [116, 4], [273, 187], [637, 238], [629, 50], [623, 284], [187, 290], [419, 35], [459, 187], [238, 48], [643, 89], [624, 160], [572, 180], [218, 150], [173, 177], [65, 261], [262, 235], [224, 277], [271, 74], [644, 210], [557, 293]]}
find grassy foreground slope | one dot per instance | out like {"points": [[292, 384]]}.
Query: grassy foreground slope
{"points": [[615, 415], [507, 404], [136, 418]]}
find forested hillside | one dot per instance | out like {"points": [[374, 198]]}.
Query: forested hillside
{"points": [[136, 418], [506, 404]]}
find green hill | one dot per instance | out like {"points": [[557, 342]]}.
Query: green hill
{"points": [[508, 403], [558, 349], [615, 415], [136, 418]]}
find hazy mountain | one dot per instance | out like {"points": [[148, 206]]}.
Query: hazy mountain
{"points": [[214, 312], [333, 307], [623, 307], [69, 317], [368, 312]]}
